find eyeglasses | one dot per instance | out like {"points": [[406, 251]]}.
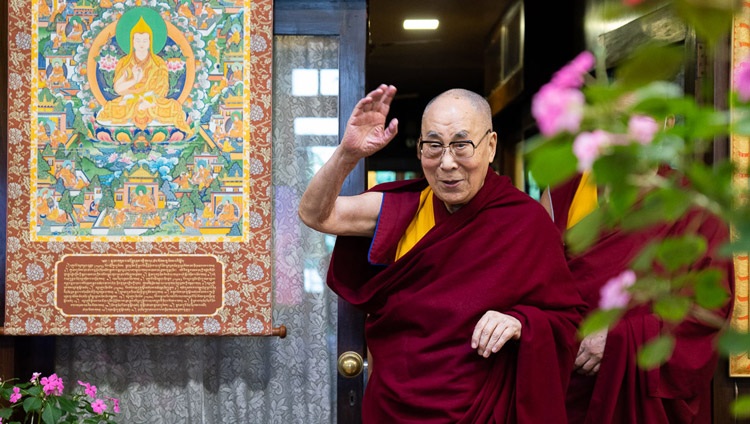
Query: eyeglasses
{"points": [[463, 149]]}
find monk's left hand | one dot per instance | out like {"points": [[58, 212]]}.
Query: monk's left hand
{"points": [[492, 331]]}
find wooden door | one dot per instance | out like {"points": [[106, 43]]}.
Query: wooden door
{"points": [[347, 23]]}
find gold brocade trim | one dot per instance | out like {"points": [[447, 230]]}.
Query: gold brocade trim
{"points": [[739, 365]]}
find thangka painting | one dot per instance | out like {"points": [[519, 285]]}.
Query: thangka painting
{"points": [[139, 167], [739, 364]]}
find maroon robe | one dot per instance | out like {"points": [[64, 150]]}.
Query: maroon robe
{"points": [[498, 252], [680, 390]]}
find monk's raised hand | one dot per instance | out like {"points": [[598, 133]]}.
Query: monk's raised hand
{"points": [[492, 331], [366, 132], [590, 353]]}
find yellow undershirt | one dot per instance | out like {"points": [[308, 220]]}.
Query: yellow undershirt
{"points": [[584, 201], [423, 222]]}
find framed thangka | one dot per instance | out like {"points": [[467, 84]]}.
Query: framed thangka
{"points": [[139, 167]]}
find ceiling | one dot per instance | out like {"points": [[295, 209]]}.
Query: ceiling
{"points": [[422, 64]]}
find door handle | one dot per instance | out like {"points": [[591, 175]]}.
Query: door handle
{"points": [[350, 364]]}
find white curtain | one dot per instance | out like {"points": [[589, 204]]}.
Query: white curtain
{"points": [[186, 379]]}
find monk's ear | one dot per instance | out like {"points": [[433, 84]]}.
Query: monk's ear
{"points": [[492, 144]]}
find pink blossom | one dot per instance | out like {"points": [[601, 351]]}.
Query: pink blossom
{"points": [[175, 65], [557, 109], [16, 396], [52, 385], [588, 146], [742, 81], [35, 376], [112, 158], [632, 2], [642, 128], [115, 404], [614, 293], [99, 406], [90, 388], [108, 63], [571, 75]]}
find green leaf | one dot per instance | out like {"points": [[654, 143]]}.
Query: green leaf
{"points": [[32, 404], [582, 235], [740, 407], [68, 405], [666, 148], [599, 319], [674, 202], [51, 414], [673, 308], [733, 342], [644, 260], [650, 63], [711, 23], [741, 117], [650, 287], [677, 252], [622, 200], [709, 293], [658, 91], [646, 215], [35, 390], [613, 168], [552, 162], [655, 352]]}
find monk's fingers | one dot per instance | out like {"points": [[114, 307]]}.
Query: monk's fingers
{"points": [[582, 357], [595, 370], [590, 366], [500, 336], [482, 334], [493, 330], [391, 130]]}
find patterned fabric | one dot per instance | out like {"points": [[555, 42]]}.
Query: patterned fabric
{"points": [[243, 379]]}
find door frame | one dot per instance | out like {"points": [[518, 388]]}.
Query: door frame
{"points": [[347, 21]]}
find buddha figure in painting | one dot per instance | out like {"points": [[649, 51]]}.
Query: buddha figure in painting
{"points": [[142, 81]]}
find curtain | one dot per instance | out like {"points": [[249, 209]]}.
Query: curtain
{"points": [[185, 379]]}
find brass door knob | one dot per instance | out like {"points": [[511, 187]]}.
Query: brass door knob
{"points": [[350, 364]]}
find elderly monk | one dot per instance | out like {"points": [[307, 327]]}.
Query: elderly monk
{"points": [[471, 307], [607, 386]]}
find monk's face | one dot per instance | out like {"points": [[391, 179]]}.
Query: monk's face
{"points": [[457, 181], [141, 44]]}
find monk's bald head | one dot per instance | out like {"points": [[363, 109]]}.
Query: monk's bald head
{"points": [[475, 101]]}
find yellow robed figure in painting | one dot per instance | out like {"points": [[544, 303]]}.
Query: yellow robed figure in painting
{"points": [[141, 80]]}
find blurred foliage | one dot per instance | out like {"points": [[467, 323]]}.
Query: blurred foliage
{"points": [[638, 197]]}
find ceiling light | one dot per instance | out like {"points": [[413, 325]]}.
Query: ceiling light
{"points": [[421, 24]]}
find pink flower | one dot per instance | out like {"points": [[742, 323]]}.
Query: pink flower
{"points": [[557, 109], [16, 396], [642, 128], [52, 385], [99, 406], [175, 65], [115, 405], [108, 63], [90, 388], [614, 293], [588, 146], [35, 376], [632, 2], [571, 75], [742, 81]]}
